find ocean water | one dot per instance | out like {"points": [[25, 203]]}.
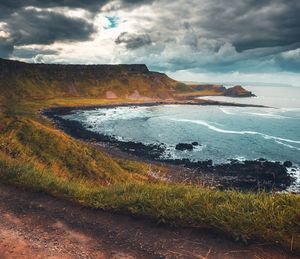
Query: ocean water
{"points": [[223, 132]]}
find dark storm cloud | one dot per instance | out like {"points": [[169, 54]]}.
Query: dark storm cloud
{"points": [[132, 3], [6, 47], [251, 23], [31, 26], [45, 27], [7, 7], [224, 36], [28, 25], [133, 41], [211, 35]]}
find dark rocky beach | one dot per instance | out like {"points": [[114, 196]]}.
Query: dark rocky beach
{"points": [[249, 175]]}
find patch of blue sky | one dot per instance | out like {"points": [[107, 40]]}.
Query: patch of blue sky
{"points": [[113, 22]]}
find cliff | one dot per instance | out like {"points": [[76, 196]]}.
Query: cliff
{"points": [[21, 81], [39, 81], [61, 71]]}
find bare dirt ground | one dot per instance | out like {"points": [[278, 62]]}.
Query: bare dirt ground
{"points": [[36, 225]]}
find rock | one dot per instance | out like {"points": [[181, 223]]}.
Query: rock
{"points": [[261, 159], [288, 164], [253, 175], [184, 146], [205, 164], [238, 91], [234, 161], [151, 151], [195, 143]]}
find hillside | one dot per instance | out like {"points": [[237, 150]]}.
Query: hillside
{"points": [[36, 155], [21, 82], [33, 81]]}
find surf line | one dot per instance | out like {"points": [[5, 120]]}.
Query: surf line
{"points": [[214, 128]]}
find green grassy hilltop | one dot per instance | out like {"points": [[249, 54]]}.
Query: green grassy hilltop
{"points": [[35, 155]]}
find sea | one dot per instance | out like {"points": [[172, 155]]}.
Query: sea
{"points": [[223, 132]]}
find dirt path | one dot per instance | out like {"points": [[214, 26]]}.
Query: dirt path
{"points": [[35, 225]]}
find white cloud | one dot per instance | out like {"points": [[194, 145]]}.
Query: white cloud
{"points": [[203, 36], [3, 31], [291, 54], [284, 78]]}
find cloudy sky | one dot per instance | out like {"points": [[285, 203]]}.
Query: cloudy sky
{"points": [[192, 40]]}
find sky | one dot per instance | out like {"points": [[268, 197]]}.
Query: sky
{"points": [[190, 40]]}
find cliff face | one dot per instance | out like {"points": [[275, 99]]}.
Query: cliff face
{"points": [[10, 67], [22, 81], [53, 80]]}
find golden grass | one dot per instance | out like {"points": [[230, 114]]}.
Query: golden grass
{"points": [[199, 93], [40, 157], [35, 155]]}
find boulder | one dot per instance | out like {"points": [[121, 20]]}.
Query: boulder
{"points": [[184, 146], [288, 164]]}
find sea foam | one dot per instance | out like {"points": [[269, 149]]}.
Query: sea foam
{"points": [[216, 129]]}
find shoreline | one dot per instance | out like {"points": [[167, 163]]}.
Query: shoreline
{"points": [[185, 101], [253, 175]]}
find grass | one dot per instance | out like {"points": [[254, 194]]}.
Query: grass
{"points": [[244, 216], [35, 155], [199, 93], [42, 158]]}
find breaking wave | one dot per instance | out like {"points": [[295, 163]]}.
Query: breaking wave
{"points": [[216, 129]]}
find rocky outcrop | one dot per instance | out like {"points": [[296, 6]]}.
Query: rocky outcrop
{"points": [[238, 91], [288, 164], [186, 146]]}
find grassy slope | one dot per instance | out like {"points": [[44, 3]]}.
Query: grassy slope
{"points": [[35, 155], [30, 81]]}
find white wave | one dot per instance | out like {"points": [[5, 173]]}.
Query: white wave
{"points": [[287, 145], [268, 115], [172, 153], [199, 147], [239, 158], [217, 123], [289, 109], [226, 111], [295, 187], [271, 115], [214, 128], [91, 117]]}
